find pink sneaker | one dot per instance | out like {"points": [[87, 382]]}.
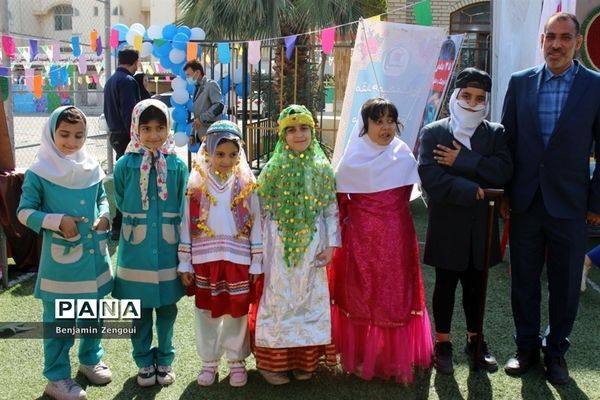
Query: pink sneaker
{"points": [[238, 376], [207, 375]]}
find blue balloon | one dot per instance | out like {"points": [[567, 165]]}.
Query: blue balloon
{"points": [[225, 83], [190, 105], [188, 129], [122, 29], [185, 30], [164, 50], [180, 41], [180, 114], [194, 148], [191, 89], [169, 31], [166, 63]]}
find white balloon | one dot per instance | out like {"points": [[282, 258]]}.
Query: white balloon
{"points": [[155, 31], [139, 28], [198, 34], [146, 49], [177, 56], [181, 139], [131, 37], [178, 84], [180, 96]]}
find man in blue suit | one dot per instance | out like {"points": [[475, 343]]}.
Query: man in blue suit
{"points": [[552, 116]]}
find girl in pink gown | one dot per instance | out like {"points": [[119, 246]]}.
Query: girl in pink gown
{"points": [[380, 323]]}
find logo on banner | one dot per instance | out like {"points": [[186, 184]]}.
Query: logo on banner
{"points": [[97, 309]]}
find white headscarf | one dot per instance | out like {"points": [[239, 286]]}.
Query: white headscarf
{"points": [[366, 167], [465, 122], [75, 171], [150, 158]]}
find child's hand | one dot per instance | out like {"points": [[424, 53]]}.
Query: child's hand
{"points": [[101, 224], [68, 226], [187, 278], [324, 257]]}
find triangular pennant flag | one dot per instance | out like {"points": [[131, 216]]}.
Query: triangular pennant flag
{"points": [[33, 48], [98, 67], [55, 51], [223, 53], [159, 42], [76, 46], [374, 18], [37, 86], [4, 71], [29, 72], [99, 46], [82, 65], [192, 51], [328, 40], [137, 42], [422, 12], [254, 52], [290, 45], [93, 38], [8, 46], [114, 38], [4, 88], [149, 69]]}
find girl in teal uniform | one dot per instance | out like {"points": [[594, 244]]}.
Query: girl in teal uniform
{"points": [[63, 197], [150, 182]]}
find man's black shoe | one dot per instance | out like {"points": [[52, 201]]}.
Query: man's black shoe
{"points": [[486, 361], [522, 361], [442, 358], [557, 372]]}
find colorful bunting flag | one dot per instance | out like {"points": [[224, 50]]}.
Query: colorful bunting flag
{"points": [[422, 12], [254, 52], [328, 40], [223, 53], [99, 46], [114, 38], [93, 38], [55, 51], [290, 45], [29, 73], [82, 65], [33, 48], [8, 46], [37, 86], [75, 44], [192, 51]]}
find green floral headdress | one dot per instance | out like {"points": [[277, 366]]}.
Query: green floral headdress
{"points": [[295, 187]]}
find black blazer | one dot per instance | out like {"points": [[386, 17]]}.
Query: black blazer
{"points": [[561, 170], [457, 222]]}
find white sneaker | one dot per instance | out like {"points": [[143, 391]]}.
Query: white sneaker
{"points": [[98, 374], [586, 269], [146, 376], [65, 389], [166, 375]]}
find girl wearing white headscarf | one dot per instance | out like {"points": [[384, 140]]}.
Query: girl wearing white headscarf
{"points": [[380, 322], [63, 197], [459, 157], [149, 184]]}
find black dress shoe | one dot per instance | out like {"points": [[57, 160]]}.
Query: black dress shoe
{"points": [[557, 372], [522, 361], [442, 358], [485, 361]]}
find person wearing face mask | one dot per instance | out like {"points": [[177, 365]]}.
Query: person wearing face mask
{"points": [[459, 157], [207, 98]]}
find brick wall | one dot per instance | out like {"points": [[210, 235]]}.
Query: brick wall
{"points": [[440, 10]]}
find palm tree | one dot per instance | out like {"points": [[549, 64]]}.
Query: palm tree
{"points": [[262, 19]]}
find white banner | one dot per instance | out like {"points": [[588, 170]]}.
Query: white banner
{"points": [[394, 61]]}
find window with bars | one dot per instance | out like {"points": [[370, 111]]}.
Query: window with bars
{"points": [[63, 17]]}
